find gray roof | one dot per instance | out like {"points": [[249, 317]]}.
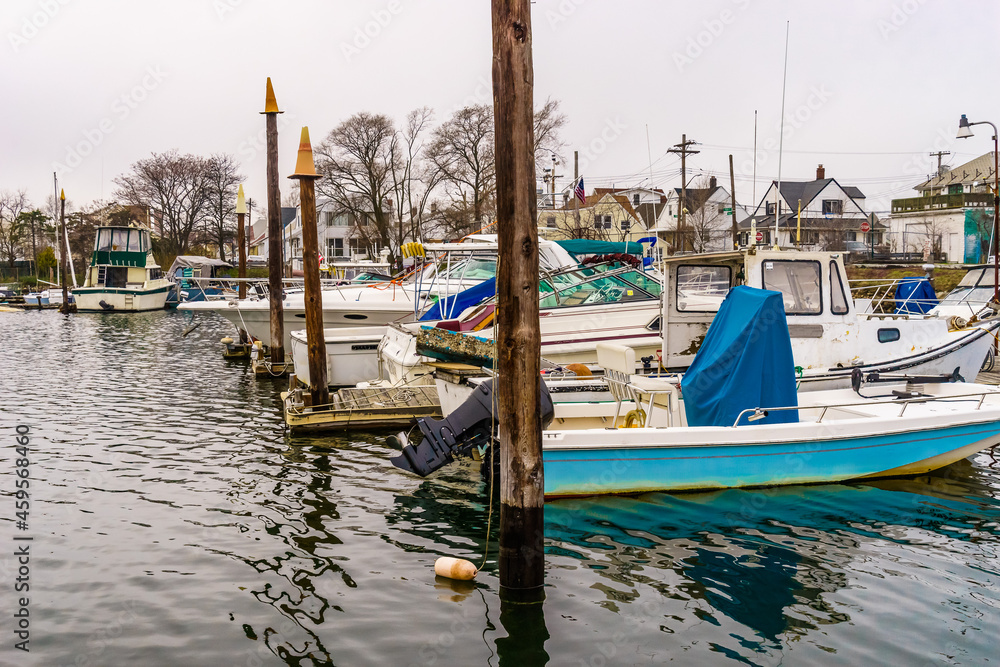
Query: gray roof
{"points": [[793, 191], [978, 170]]}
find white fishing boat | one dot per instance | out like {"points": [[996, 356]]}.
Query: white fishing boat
{"points": [[971, 298], [123, 276], [738, 421]]}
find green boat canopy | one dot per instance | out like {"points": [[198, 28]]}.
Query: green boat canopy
{"points": [[588, 247]]}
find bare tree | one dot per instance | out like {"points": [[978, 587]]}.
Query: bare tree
{"points": [[548, 121], [13, 228], [463, 151], [223, 179], [177, 189]]}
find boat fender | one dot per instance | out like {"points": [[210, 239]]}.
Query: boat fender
{"points": [[579, 370], [454, 568], [225, 341], [105, 305]]}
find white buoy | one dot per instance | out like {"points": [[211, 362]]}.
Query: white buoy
{"points": [[454, 568]]}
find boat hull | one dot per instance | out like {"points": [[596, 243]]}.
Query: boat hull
{"points": [[88, 299], [626, 461]]}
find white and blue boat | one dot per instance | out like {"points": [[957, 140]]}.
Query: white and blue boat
{"points": [[736, 420]]}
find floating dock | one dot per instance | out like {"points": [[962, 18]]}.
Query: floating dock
{"points": [[367, 408]]}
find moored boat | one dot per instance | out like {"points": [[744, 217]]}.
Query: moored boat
{"points": [[123, 276], [738, 421]]}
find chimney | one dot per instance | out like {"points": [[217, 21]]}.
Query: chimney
{"points": [[712, 183], [820, 173]]}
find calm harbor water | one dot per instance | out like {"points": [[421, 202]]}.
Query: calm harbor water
{"points": [[175, 522]]}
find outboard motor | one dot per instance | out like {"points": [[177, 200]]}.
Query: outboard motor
{"points": [[468, 427]]}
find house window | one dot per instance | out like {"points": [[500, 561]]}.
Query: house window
{"points": [[335, 247], [550, 221], [635, 199], [626, 225], [602, 222], [833, 207], [955, 189], [769, 208]]}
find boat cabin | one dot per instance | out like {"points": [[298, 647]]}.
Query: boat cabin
{"points": [[122, 257], [813, 286]]}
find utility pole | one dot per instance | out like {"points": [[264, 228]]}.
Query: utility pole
{"points": [[276, 268], [939, 154], [518, 345], [732, 188], [683, 150]]}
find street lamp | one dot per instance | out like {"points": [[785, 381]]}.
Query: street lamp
{"points": [[965, 131]]}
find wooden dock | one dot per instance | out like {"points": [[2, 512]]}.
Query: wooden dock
{"points": [[368, 408]]}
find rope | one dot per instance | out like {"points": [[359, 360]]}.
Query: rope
{"points": [[493, 420]]}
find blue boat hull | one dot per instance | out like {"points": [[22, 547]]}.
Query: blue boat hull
{"points": [[579, 470]]}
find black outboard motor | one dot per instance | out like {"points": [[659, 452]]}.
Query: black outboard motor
{"points": [[467, 427]]}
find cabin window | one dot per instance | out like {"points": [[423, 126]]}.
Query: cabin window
{"points": [[119, 239], [104, 239], [701, 288], [838, 298], [133, 240], [888, 335], [799, 284], [155, 274]]}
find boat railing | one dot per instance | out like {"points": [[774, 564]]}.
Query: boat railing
{"points": [[876, 297], [755, 414]]}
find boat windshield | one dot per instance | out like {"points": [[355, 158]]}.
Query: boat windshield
{"points": [[472, 268], [643, 281], [103, 241], [702, 288], [980, 295], [588, 290]]}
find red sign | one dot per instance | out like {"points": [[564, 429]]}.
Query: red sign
{"points": [[865, 227], [760, 236]]}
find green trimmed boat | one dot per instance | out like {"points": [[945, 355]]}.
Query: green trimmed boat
{"points": [[123, 276]]}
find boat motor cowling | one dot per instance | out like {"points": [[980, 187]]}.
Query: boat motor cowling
{"points": [[470, 425]]}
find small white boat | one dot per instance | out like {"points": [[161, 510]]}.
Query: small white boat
{"points": [[123, 276], [740, 422]]}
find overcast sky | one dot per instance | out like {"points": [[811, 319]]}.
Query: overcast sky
{"points": [[872, 87]]}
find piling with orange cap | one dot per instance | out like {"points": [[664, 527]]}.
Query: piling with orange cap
{"points": [[274, 246], [305, 174]]}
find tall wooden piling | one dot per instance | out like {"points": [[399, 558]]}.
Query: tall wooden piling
{"points": [[522, 559], [64, 307], [275, 265], [305, 174], [241, 216]]}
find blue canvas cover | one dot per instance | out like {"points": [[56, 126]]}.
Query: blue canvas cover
{"points": [[915, 295], [744, 362], [453, 305]]}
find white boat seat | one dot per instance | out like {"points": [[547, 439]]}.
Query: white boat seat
{"points": [[618, 362]]}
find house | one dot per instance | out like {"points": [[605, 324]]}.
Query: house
{"points": [[831, 215], [708, 219], [952, 217], [604, 216]]}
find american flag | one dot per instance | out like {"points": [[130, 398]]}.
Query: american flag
{"points": [[580, 194]]}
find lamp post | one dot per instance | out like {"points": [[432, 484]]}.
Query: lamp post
{"points": [[965, 131]]}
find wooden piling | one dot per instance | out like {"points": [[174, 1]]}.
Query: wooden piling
{"points": [[522, 557], [241, 214], [305, 174], [274, 249]]}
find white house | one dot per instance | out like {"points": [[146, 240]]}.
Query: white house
{"points": [[952, 218], [831, 214]]}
